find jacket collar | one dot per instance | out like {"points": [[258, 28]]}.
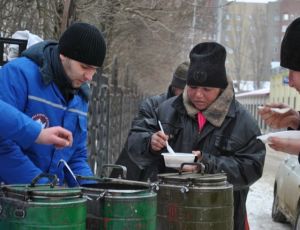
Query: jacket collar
{"points": [[218, 110], [45, 55]]}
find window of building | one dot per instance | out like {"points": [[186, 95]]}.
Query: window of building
{"points": [[285, 17], [276, 18], [227, 16]]}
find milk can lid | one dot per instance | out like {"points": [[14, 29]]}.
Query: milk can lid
{"points": [[193, 178], [39, 192]]}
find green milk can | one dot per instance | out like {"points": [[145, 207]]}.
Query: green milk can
{"points": [[193, 201], [41, 207], [118, 204]]}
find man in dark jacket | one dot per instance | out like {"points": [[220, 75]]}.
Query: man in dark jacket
{"points": [[49, 83], [207, 118], [146, 113]]}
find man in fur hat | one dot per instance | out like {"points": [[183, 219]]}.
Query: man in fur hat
{"points": [[207, 119], [290, 59]]}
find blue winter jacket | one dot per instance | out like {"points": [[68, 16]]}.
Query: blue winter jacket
{"points": [[17, 126], [23, 85]]}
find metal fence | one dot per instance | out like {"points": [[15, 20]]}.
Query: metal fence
{"points": [[251, 100], [111, 110], [5, 42]]}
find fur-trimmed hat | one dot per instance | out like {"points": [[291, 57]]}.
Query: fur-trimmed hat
{"points": [[290, 47], [84, 43], [207, 66], [180, 74]]}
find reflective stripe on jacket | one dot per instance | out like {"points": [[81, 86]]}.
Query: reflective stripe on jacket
{"points": [[21, 85]]}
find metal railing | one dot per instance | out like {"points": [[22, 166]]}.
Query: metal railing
{"points": [[111, 110], [10, 41]]}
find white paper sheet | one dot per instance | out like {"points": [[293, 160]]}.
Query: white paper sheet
{"points": [[291, 134]]}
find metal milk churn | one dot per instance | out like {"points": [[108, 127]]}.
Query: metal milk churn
{"points": [[118, 204], [193, 201], [33, 206]]}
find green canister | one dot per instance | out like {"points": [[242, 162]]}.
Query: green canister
{"points": [[41, 207], [117, 204], [194, 201]]}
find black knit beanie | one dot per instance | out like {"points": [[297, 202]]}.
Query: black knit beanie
{"points": [[207, 66], [180, 74], [84, 43], [290, 47]]}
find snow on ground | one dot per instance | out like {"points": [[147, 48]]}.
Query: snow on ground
{"points": [[260, 197]]}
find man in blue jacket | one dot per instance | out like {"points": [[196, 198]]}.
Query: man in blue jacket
{"points": [[49, 84], [24, 131]]}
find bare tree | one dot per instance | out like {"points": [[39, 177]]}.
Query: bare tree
{"points": [[39, 17], [245, 38], [152, 37], [238, 37], [258, 55]]}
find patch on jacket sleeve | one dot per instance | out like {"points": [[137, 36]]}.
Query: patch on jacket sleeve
{"points": [[42, 119]]}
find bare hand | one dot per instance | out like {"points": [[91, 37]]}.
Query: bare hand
{"points": [[193, 168], [278, 120], [158, 141], [197, 154], [57, 136], [291, 146]]}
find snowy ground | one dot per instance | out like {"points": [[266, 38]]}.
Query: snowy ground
{"points": [[260, 198]]}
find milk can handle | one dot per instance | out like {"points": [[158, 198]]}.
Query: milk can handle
{"points": [[198, 164], [52, 178], [79, 177], [123, 168]]}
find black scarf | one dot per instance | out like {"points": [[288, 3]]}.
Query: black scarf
{"points": [[59, 76], [46, 56]]}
